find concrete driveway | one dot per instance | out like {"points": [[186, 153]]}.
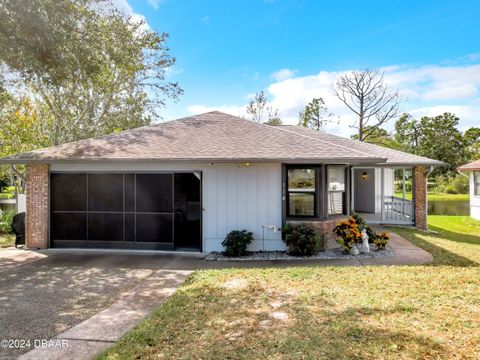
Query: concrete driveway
{"points": [[44, 294]]}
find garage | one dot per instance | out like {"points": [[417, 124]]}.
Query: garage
{"points": [[149, 211]]}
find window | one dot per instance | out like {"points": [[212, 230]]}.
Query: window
{"points": [[301, 192], [336, 190], [476, 183]]}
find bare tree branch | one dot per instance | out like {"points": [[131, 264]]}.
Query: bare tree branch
{"points": [[367, 95]]}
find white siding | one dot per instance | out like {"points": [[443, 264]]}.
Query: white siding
{"points": [[474, 201], [234, 198]]}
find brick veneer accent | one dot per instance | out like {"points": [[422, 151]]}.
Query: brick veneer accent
{"points": [[36, 220], [420, 197], [325, 228]]}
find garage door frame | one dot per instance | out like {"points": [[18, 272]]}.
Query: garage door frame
{"points": [[145, 245]]}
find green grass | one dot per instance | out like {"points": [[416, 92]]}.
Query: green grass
{"points": [[439, 196], [7, 240], [395, 312]]}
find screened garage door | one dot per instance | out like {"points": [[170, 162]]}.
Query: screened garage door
{"points": [[126, 210]]}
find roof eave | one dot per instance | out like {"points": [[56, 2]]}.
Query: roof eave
{"points": [[23, 161], [468, 169]]}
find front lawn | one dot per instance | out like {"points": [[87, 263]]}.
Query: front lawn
{"points": [[396, 312], [439, 196]]}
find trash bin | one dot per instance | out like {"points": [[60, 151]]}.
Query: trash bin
{"points": [[18, 227]]}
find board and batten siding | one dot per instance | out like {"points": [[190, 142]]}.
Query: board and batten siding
{"points": [[474, 199], [233, 197]]}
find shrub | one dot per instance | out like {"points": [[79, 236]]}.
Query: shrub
{"points": [[6, 217], [450, 189], [381, 240], [452, 185], [236, 242], [4, 182], [302, 239], [460, 184], [348, 233], [362, 224]]}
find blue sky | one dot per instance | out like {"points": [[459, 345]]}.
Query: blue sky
{"points": [[294, 50]]}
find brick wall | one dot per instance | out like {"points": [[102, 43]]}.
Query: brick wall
{"points": [[325, 228], [420, 197], [36, 221]]}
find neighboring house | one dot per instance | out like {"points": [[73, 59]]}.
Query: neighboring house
{"points": [[184, 184], [474, 169]]}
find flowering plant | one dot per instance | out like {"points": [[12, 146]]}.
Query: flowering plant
{"points": [[381, 240], [348, 233]]}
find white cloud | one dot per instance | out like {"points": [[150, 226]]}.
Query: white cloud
{"points": [[428, 90], [430, 83], [468, 114], [126, 8], [154, 3], [283, 74]]}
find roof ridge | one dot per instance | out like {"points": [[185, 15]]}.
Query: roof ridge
{"points": [[365, 143], [324, 141], [143, 127]]}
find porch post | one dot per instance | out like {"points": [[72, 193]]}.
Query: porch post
{"points": [[420, 197], [382, 192], [404, 188], [352, 191]]}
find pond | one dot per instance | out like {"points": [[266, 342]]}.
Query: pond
{"points": [[449, 207]]}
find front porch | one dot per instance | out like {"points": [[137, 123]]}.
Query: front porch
{"points": [[382, 195]]}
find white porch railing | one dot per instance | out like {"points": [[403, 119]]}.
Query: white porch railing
{"points": [[398, 209]]}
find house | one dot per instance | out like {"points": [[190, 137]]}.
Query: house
{"points": [[184, 184], [474, 169]]}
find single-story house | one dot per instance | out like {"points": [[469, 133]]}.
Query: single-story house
{"points": [[474, 169], [184, 184]]}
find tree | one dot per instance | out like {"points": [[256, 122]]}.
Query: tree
{"points": [[24, 127], [472, 143], [273, 118], [366, 93], [94, 69], [256, 107], [435, 137], [407, 133], [260, 111], [380, 137], [315, 114]]}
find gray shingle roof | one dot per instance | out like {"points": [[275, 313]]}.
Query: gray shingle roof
{"points": [[394, 157], [214, 136]]}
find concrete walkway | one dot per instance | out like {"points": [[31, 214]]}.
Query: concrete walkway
{"points": [[92, 336], [87, 339], [11, 258]]}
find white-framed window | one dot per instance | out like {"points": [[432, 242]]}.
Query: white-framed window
{"points": [[336, 189], [302, 190], [476, 183]]}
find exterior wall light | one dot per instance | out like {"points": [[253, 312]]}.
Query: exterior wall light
{"points": [[244, 164]]}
